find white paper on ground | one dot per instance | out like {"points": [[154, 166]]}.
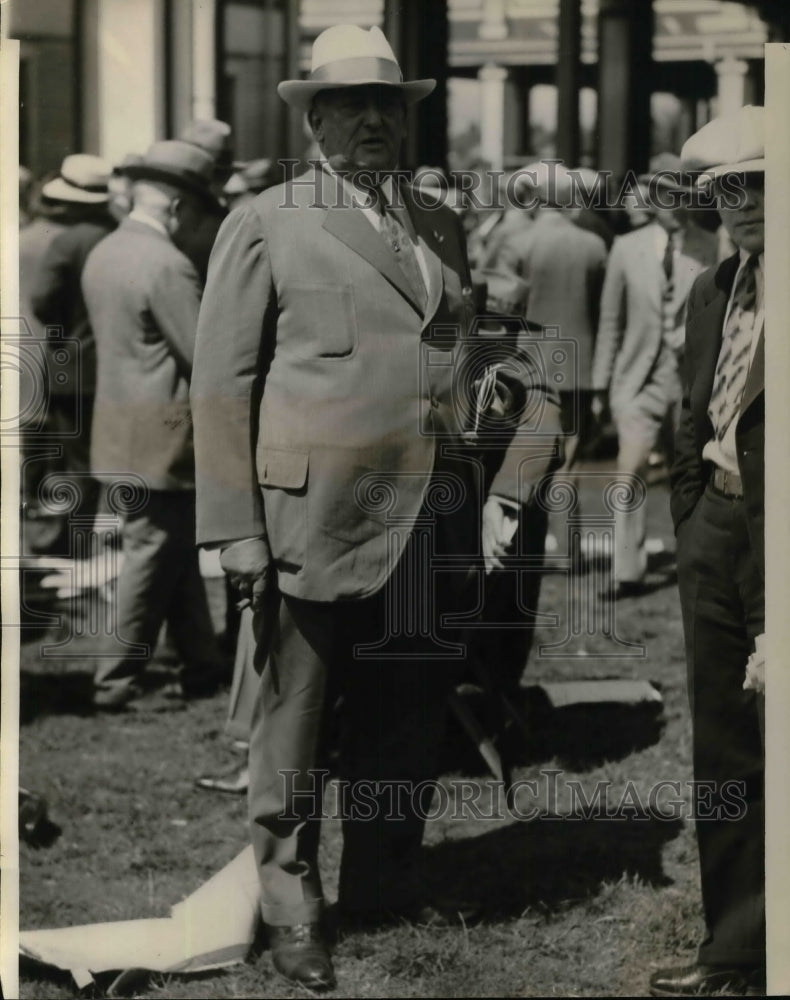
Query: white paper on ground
{"points": [[212, 928]]}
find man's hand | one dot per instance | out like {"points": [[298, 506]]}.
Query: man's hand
{"points": [[247, 564], [500, 522]]}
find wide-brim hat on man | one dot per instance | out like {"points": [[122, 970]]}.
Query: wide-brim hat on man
{"points": [[178, 163], [666, 172], [215, 137], [83, 180], [731, 144], [348, 56]]}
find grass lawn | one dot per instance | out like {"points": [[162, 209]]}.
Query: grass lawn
{"points": [[572, 906]]}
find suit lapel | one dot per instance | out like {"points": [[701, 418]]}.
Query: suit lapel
{"points": [[430, 240], [350, 226], [705, 335]]}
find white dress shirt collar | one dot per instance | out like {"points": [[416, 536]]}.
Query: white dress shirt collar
{"points": [[139, 215]]}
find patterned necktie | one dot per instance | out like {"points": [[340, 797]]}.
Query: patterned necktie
{"points": [[398, 240], [735, 354], [668, 293]]}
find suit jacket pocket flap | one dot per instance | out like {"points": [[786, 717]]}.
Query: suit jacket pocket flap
{"points": [[285, 470]]}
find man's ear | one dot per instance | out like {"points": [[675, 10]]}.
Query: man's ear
{"points": [[316, 122]]}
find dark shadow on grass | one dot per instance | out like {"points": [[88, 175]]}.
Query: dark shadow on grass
{"points": [[580, 737], [548, 862], [69, 691]]}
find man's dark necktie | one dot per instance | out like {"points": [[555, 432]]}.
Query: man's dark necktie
{"points": [[736, 348], [668, 319]]}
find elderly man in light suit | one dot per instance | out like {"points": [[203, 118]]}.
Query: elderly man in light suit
{"points": [[333, 471], [143, 296], [635, 365], [718, 498]]}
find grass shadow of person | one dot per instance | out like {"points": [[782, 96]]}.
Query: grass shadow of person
{"points": [[551, 860]]}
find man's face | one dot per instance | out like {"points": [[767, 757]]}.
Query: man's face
{"points": [[746, 222], [359, 127]]}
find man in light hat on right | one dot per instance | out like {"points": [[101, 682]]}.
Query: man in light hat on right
{"points": [[718, 509]]}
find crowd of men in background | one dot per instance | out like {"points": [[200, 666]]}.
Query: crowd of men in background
{"points": [[612, 280], [113, 259]]}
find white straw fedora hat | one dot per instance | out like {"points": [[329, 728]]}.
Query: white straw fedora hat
{"points": [[83, 178], [348, 56], [733, 143]]}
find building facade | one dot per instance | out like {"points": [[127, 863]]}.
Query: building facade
{"points": [[604, 82]]}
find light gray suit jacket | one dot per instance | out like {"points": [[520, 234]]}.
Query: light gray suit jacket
{"points": [[143, 299], [322, 394], [630, 326]]}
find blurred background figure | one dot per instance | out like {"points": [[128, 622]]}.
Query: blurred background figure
{"points": [[249, 179], [57, 302], [45, 219], [599, 220], [510, 599], [563, 266], [640, 338], [215, 137], [195, 240], [120, 187], [27, 186], [515, 215], [143, 297]]}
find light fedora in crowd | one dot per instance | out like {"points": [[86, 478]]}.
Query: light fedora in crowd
{"points": [[733, 143], [175, 162], [667, 172], [346, 55], [549, 181], [254, 175], [214, 136], [83, 179]]}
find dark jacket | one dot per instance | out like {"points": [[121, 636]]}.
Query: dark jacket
{"points": [[57, 301], [707, 307]]}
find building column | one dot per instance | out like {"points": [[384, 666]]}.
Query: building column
{"points": [[568, 81], [516, 113], [492, 114], [731, 79], [131, 76], [419, 36], [625, 54], [204, 59]]}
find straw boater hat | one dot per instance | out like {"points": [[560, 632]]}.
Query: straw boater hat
{"points": [[348, 56], [733, 143], [83, 179]]}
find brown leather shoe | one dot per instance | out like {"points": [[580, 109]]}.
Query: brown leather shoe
{"points": [[705, 981], [300, 955]]}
